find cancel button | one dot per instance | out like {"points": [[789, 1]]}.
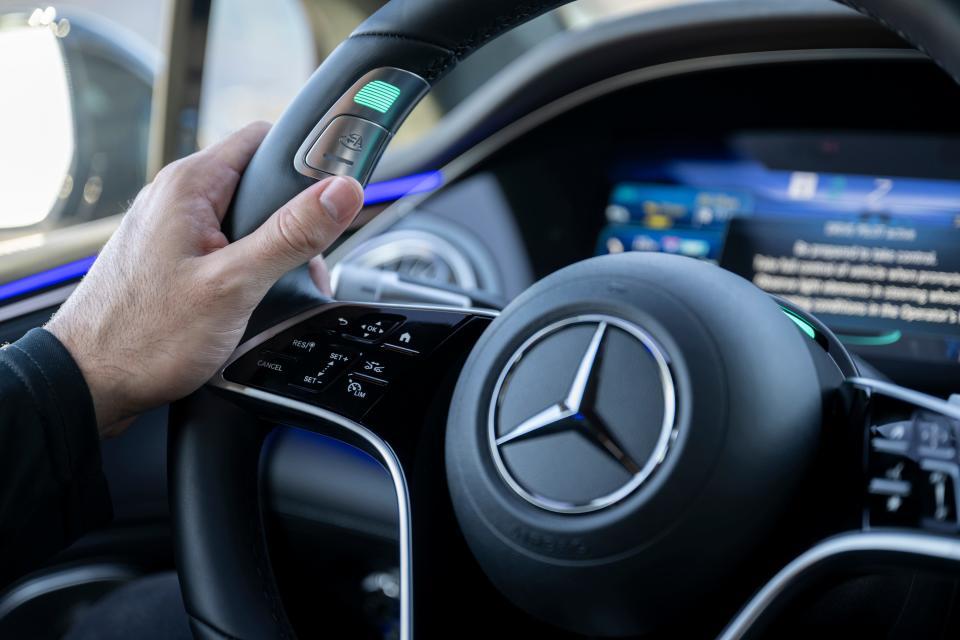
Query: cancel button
{"points": [[273, 370]]}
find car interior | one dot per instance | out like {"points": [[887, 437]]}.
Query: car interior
{"points": [[651, 329]]}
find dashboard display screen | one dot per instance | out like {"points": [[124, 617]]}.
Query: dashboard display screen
{"points": [[877, 257]]}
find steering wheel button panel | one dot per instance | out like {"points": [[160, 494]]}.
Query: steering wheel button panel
{"points": [[349, 146], [913, 467], [310, 361]]}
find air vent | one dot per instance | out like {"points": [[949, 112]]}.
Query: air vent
{"points": [[415, 254]]}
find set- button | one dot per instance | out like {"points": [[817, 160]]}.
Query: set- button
{"points": [[317, 372]]}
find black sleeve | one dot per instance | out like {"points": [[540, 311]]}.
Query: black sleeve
{"points": [[52, 487]]}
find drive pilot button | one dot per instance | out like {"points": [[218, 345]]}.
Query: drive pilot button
{"points": [[353, 395], [348, 146]]}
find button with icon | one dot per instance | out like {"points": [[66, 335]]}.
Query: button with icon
{"points": [[417, 337], [353, 395], [383, 365], [348, 146], [372, 327]]}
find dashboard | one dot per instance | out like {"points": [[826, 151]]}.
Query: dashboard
{"points": [[852, 214], [876, 257]]}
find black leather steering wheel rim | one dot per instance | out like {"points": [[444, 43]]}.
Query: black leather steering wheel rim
{"points": [[224, 569]]}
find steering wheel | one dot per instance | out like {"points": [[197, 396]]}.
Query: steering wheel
{"points": [[634, 437]]}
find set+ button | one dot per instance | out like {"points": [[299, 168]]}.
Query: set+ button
{"points": [[318, 371]]}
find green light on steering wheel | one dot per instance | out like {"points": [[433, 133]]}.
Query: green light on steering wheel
{"points": [[377, 95]]}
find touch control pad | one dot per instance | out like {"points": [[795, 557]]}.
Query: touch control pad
{"points": [[913, 469], [346, 357]]}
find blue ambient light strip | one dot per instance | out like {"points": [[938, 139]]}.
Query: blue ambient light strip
{"points": [[376, 192], [399, 187], [63, 273]]}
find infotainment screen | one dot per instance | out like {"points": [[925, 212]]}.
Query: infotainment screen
{"points": [[876, 257]]}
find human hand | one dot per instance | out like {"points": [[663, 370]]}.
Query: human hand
{"points": [[168, 298]]}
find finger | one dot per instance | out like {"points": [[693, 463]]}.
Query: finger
{"points": [[237, 148], [320, 275], [227, 160], [297, 232]]}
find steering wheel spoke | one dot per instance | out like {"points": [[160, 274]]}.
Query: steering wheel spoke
{"points": [[378, 377], [900, 511]]}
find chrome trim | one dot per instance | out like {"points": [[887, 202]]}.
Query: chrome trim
{"points": [[885, 542], [383, 450], [416, 243], [910, 396], [389, 460], [490, 145], [571, 405], [40, 301], [42, 585]]}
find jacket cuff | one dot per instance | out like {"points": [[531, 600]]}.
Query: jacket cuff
{"points": [[70, 428]]}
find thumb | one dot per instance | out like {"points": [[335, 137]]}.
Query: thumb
{"points": [[297, 232]]}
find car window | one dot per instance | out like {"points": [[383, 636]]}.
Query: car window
{"points": [[259, 54], [78, 83]]}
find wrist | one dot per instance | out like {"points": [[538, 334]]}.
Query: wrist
{"points": [[104, 383]]}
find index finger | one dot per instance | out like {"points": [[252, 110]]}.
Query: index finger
{"points": [[237, 148]]}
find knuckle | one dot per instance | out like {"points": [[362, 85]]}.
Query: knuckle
{"points": [[295, 233], [215, 283], [170, 172]]}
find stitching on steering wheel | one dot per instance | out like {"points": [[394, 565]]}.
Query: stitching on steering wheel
{"points": [[442, 63], [398, 36]]}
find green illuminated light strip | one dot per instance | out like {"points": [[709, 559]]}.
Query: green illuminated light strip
{"points": [[872, 341], [805, 326], [377, 95]]}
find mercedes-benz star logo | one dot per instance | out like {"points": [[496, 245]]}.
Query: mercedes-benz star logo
{"points": [[577, 412]]}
